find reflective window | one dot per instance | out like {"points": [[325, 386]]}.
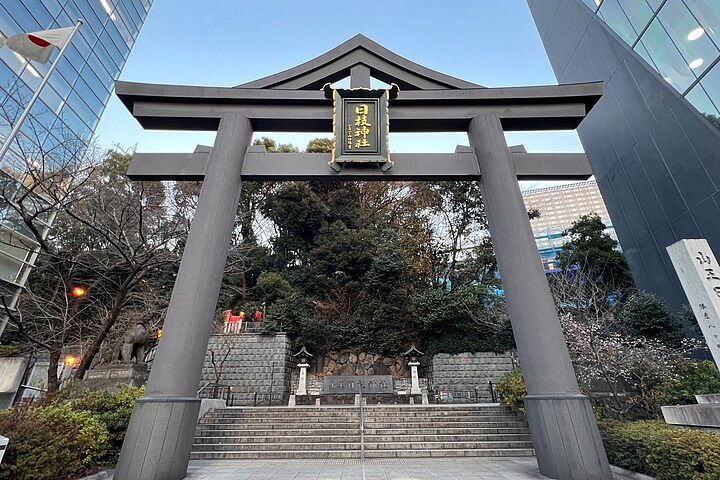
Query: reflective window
{"points": [[711, 84], [696, 48], [638, 12], [681, 42], [707, 12], [615, 17], [666, 57]]}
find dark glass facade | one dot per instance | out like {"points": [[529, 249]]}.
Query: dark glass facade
{"points": [[653, 140], [680, 39], [70, 106]]}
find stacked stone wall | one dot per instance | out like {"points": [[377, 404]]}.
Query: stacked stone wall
{"points": [[464, 377], [255, 364]]}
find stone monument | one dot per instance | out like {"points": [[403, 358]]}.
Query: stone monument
{"points": [[699, 273]]}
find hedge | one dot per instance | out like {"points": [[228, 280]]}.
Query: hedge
{"points": [[662, 451], [51, 443]]}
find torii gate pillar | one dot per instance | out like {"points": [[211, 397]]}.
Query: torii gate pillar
{"points": [[565, 436], [159, 438]]}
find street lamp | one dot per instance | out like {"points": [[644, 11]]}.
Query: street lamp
{"points": [[78, 291], [71, 361]]}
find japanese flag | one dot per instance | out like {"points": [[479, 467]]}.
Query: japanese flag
{"points": [[38, 45]]}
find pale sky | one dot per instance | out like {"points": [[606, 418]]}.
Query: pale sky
{"points": [[229, 42]]}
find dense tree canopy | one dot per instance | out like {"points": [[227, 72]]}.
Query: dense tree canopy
{"points": [[595, 252], [375, 265]]}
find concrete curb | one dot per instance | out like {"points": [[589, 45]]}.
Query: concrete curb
{"points": [[622, 474]]}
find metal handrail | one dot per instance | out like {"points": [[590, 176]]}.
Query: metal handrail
{"points": [[362, 426], [203, 388]]}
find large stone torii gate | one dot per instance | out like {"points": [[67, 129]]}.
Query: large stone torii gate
{"points": [[159, 439]]}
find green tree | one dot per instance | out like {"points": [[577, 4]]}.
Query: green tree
{"points": [[595, 252], [645, 315]]}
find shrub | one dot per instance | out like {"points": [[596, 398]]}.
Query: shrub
{"points": [[113, 410], [50, 443], [512, 390], [694, 378], [663, 451], [645, 315]]}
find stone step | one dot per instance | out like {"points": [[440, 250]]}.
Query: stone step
{"points": [[376, 439], [232, 432], [258, 420], [280, 426], [269, 455], [368, 419], [418, 425], [410, 410], [449, 445], [490, 452], [440, 418], [235, 432], [516, 437], [336, 454], [355, 414], [333, 432], [208, 439], [290, 447]]}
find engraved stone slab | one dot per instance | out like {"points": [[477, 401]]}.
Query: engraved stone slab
{"points": [[343, 384], [699, 273]]}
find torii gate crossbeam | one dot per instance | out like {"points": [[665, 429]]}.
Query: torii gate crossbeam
{"points": [[159, 438]]}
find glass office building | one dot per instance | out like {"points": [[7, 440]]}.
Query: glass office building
{"points": [[680, 39], [653, 140], [68, 110]]}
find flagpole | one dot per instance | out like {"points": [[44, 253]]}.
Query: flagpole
{"points": [[18, 125]]}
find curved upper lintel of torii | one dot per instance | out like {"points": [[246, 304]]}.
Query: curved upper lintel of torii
{"points": [[292, 100], [337, 63]]}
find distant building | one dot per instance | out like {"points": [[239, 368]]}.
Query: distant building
{"points": [[559, 207]]}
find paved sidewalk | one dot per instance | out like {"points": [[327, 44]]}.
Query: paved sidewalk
{"points": [[506, 468]]}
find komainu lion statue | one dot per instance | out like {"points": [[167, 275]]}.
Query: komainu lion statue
{"points": [[132, 345]]}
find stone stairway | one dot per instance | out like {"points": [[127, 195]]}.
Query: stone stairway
{"points": [[333, 432]]}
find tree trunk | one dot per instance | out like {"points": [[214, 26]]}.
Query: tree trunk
{"points": [[53, 384], [94, 348]]}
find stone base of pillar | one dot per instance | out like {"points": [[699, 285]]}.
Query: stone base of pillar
{"points": [[415, 391], [566, 438], [165, 422], [291, 401]]}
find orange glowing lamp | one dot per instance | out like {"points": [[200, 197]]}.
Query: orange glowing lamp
{"points": [[78, 292], [72, 361]]}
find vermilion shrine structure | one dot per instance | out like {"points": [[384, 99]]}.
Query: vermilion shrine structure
{"points": [[564, 432]]}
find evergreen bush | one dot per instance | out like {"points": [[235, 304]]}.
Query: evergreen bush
{"points": [[51, 443], [512, 390], [662, 451], [694, 378], [113, 410]]}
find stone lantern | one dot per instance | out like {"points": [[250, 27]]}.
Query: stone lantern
{"points": [[303, 356], [413, 362]]}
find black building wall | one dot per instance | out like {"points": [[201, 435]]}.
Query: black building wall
{"points": [[655, 157]]}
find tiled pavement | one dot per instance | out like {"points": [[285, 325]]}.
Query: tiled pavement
{"points": [[506, 468]]}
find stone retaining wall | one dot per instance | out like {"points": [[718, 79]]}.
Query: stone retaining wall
{"points": [[465, 376], [253, 362]]}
